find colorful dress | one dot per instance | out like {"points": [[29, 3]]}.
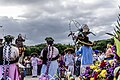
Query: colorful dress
{"points": [[13, 68], [54, 53]]}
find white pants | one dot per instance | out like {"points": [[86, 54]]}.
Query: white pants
{"points": [[34, 71], [71, 69], [52, 68]]}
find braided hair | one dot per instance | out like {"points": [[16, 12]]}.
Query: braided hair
{"points": [[8, 41]]}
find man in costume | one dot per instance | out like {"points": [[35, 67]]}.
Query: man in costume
{"points": [[49, 55], [85, 50], [8, 59], [19, 43]]}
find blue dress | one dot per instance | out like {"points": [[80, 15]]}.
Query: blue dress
{"points": [[86, 55]]}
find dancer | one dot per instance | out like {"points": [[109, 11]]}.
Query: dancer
{"points": [[8, 66], [85, 50], [49, 55]]}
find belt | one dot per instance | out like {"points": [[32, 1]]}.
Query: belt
{"points": [[11, 62], [55, 58]]}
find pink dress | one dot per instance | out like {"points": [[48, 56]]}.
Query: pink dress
{"points": [[13, 72], [108, 52]]}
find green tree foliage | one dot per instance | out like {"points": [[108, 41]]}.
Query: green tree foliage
{"points": [[102, 44], [38, 48], [99, 45]]}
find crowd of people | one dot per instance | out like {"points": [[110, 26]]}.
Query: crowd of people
{"points": [[82, 63], [69, 62]]}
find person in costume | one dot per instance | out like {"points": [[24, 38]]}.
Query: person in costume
{"points": [[49, 54], [19, 43], [8, 60], [34, 61], [85, 50], [69, 60]]}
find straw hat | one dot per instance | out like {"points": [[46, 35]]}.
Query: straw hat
{"points": [[69, 49], [34, 53], [85, 41]]}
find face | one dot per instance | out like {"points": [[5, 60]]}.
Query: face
{"points": [[69, 52], [49, 42], [33, 55]]}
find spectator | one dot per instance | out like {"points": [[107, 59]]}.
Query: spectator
{"points": [[69, 60]]}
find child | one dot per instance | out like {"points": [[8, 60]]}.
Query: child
{"points": [[34, 61]]}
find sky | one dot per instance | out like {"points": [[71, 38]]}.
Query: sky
{"points": [[37, 19]]}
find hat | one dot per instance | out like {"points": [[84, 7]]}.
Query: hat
{"points": [[34, 53], [49, 39], [8, 38], [69, 49], [85, 28], [85, 41], [96, 51], [109, 45], [1, 39]]}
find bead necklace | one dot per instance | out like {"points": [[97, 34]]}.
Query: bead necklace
{"points": [[6, 77]]}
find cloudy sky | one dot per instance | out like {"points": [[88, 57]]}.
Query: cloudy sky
{"points": [[38, 19]]}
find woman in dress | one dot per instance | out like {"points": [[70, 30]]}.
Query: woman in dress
{"points": [[9, 58], [49, 54]]}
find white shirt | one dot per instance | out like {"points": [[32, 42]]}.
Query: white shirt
{"points": [[34, 61], [69, 59], [14, 52], [55, 52]]}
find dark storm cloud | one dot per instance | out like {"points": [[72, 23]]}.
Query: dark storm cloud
{"points": [[21, 2], [51, 18]]}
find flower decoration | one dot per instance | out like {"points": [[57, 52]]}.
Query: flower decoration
{"points": [[106, 70]]}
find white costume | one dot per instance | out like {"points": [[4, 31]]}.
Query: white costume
{"points": [[34, 61], [54, 64], [14, 53]]}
